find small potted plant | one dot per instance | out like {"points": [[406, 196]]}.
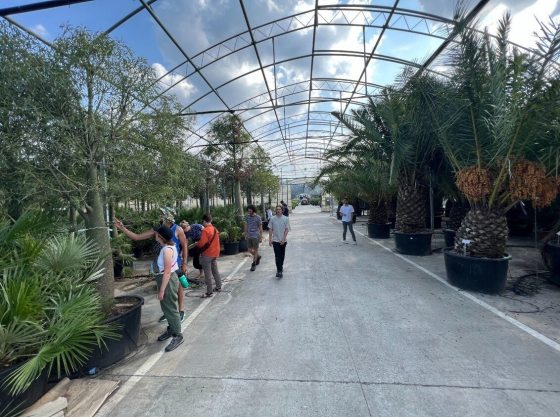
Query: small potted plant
{"points": [[231, 238]]}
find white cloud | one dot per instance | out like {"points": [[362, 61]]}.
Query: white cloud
{"points": [[183, 90], [524, 19], [40, 30]]}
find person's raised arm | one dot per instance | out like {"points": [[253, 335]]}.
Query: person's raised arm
{"points": [[130, 234], [184, 248]]}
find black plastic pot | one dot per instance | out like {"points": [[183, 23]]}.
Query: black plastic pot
{"points": [[128, 328], [12, 405], [231, 248], [476, 274], [419, 244], [243, 245], [379, 231], [449, 236], [551, 258]]}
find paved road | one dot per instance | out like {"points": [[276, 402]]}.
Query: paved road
{"points": [[349, 331]]}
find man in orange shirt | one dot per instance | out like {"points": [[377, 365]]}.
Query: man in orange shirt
{"points": [[209, 245]]}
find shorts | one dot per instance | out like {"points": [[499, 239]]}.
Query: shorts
{"points": [[253, 242]]}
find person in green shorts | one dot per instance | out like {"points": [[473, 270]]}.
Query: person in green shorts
{"points": [[168, 285]]}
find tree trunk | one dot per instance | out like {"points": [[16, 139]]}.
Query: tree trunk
{"points": [[73, 216], [237, 200], [249, 195], [411, 209], [97, 233], [487, 232], [263, 208], [115, 232], [377, 213]]}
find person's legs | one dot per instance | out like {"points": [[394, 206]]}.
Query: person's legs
{"points": [[169, 308], [351, 227], [282, 255], [206, 263], [216, 273], [169, 305], [277, 256], [344, 227]]}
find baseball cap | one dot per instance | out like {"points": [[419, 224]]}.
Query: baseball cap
{"points": [[165, 232]]}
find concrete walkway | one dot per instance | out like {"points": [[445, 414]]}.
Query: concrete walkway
{"points": [[349, 331]]}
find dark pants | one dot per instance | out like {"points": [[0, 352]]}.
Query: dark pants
{"points": [[279, 254], [195, 252], [348, 225]]}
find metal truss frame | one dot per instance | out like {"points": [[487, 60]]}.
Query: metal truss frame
{"points": [[305, 136]]}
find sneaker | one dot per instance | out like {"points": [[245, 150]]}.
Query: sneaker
{"points": [[258, 260], [182, 315], [253, 266], [344, 241], [164, 336], [280, 275], [354, 243], [162, 319], [175, 342]]}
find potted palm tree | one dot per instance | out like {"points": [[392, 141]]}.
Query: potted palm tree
{"points": [[490, 118], [52, 315], [413, 159]]}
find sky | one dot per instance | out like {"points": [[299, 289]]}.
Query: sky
{"points": [[231, 63]]}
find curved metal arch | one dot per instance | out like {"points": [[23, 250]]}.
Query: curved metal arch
{"points": [[262, 135], [201, 136], [353, 54], [327, 116], [257, 99], [301, 138], [278, 27]]}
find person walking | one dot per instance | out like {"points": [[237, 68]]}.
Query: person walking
{"points": [[193, 232], [167, 219], [168, 284], [253, 231], [285, 209], [209, 245], [346, 213], [279, 226]]}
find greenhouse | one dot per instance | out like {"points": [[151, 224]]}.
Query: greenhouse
{"points": [[280, 208]]}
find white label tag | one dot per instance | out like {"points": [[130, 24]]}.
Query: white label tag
{"points": [[466, 242]]}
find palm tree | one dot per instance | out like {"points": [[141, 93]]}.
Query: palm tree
{"points": [[491, 119], [50, 312], [361, 166], [414, 157]]}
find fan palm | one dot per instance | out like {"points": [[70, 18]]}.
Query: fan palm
{"points": [[491, 119], [50, 313], [361, 166]]}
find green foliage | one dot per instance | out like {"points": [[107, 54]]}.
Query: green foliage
{"points": [[499, 106], [50, 312], [192, 215]]}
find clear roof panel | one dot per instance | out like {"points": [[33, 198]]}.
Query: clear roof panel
{"points": [[310, 70]]}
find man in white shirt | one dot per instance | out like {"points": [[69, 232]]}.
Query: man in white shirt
{"points": [[278, 227], [347, 212]]}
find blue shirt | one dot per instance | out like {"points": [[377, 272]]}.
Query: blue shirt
{"points": [[195, 232]]}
